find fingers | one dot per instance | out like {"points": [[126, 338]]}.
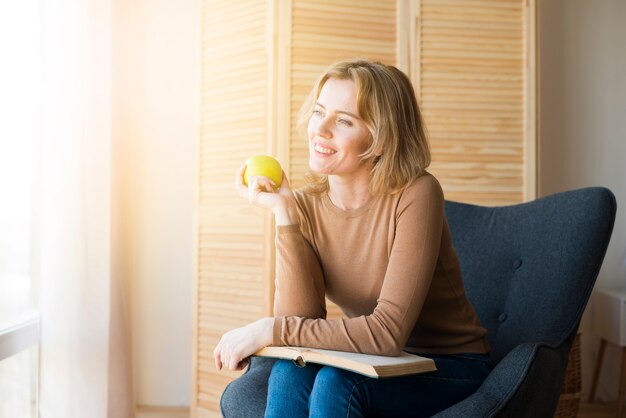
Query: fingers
{"points": [[232, 361], [285, 187], [285, 180], [220, 356], [217, 356], [257, 186], [263, 184], [239, 186], [253, 182], [242, 364]]}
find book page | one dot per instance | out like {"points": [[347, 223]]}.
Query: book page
{"points": [[372, 360], [369, 359]]}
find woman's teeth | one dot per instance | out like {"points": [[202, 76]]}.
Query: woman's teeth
{"points": [[323, 150]]}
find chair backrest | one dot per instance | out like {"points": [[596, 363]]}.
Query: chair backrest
{"points": [[529, 269]]}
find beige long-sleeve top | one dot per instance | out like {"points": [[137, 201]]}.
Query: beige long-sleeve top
{"points": [[389, 265]]}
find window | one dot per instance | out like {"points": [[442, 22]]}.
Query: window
{"points": [[20, 84]]}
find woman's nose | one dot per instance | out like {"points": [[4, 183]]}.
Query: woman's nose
{"points": [[322, 128]]}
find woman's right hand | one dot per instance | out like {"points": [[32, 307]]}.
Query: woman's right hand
{"points": [[260, 192]]}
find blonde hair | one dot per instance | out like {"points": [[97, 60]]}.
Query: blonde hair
{"points": [[386, 103]]}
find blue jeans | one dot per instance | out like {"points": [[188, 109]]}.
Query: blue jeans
{"points": [[324, 391]]}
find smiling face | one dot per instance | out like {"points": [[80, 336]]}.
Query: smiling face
{"points": [[337, 134]]}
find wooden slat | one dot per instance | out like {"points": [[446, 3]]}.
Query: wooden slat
{"points": [[231, 248], [324, 32], [472, 95]]}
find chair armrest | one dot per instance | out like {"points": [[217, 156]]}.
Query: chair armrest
{"points": [[526, 383], [246, 396]]}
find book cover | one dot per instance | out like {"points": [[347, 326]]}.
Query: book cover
{"points": [[365, 364]]}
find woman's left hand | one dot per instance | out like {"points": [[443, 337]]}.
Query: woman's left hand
{"points": [[236, 346]]}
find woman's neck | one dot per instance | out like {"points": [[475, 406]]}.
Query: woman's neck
{"points": [[348, 195]]}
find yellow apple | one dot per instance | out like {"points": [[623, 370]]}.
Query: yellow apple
{"points": [[263, 165]]}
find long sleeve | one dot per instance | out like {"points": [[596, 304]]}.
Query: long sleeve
{"points": [[299, 279], [417, 223]]}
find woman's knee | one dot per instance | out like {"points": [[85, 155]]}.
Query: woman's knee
{"points": [[289, 389], [281, 372]]}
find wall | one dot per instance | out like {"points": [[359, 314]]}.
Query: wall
{"points": [[583, 129], [155, 59]]}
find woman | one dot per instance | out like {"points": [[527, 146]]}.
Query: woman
{"points": [[369, 232]]}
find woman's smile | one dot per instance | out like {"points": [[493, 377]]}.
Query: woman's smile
{"points": [[324, 150]]}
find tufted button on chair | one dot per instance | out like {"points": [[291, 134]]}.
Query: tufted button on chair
{"points": [[528, 270]]}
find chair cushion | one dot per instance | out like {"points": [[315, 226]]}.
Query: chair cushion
{"points": [[521, 262]]}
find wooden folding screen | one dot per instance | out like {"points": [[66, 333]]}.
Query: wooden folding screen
{"points": [[260, 59], [231, 279], [325, 32], [472, 64]]}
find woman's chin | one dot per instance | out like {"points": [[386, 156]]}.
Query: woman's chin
{"points": [[318, 168]]}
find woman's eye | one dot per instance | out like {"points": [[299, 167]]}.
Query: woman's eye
{"points": [[317, 112], [344, 122]]}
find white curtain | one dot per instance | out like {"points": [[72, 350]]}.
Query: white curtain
{"points": [[85, 351]]}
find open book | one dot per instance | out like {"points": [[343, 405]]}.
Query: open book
{"points": [[366, 364]]}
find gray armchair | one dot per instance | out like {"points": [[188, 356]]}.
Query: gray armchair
{"points": [[528, 270]]}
